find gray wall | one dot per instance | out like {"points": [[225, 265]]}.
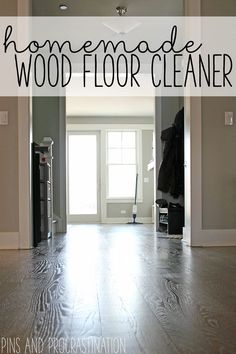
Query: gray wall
{"points": [[46, 123], [9, 191], [218, 147], [218, 164], [218, 8], [109, 120], [8, 8]]}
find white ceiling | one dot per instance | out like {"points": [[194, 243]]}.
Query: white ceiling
{"points": [[107, 7], [110, 106]]}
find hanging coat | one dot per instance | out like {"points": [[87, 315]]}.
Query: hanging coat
{"points": [[171, 173]]}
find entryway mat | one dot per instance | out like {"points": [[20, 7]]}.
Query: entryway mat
{"points": [[176, 237]]}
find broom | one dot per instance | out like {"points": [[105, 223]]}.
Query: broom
{"points": [[135, 207]]}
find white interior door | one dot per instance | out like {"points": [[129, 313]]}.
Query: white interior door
{"points": [[83, 161]]}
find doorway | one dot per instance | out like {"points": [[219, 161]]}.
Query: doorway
{"points": [[124, 133], [83, 181], [25, 173]]}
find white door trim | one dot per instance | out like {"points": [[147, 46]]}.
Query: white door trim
{"points": [[24, 156], [193, 153], [62, 218], [24, 166]]}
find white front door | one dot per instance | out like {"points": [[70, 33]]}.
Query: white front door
{"points": [[83, 160]]}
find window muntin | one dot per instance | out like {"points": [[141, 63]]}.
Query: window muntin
{"points": [[121, 164]]}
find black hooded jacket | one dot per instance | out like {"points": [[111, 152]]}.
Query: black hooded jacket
{"points": [[171, 173]]}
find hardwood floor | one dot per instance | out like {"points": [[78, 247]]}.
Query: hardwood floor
{"points": [[156, 296]]}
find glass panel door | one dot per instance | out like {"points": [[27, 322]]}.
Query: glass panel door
{"points": [[83, 177]]}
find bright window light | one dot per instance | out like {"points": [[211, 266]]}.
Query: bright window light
{"points": [[121, 164], [82, 174]]}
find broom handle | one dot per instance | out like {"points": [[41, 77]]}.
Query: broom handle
{"points": [[136, 189]]}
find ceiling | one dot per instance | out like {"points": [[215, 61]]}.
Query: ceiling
{"points": [[110, 106], [107, 7]]}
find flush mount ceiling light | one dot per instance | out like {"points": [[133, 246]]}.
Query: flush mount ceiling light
{"points": [[121, 10], [121, 25], [63, 7]]}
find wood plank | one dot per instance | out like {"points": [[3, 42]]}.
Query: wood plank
{"points": [[121, 281]]}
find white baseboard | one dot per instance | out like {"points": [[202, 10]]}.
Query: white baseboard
{"points": [[186, 236], [59, 225], [211, 238], [9, 240], [145, 220]]}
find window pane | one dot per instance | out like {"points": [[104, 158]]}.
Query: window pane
{"points": [[128, 139], [129, 156], [121, 181], [82, 174], [114, 156], [114, 139]]}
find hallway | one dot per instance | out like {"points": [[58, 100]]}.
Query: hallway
{"points": [[158, 295]]}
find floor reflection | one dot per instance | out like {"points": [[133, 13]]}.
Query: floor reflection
{"points": [[121, 281]]}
